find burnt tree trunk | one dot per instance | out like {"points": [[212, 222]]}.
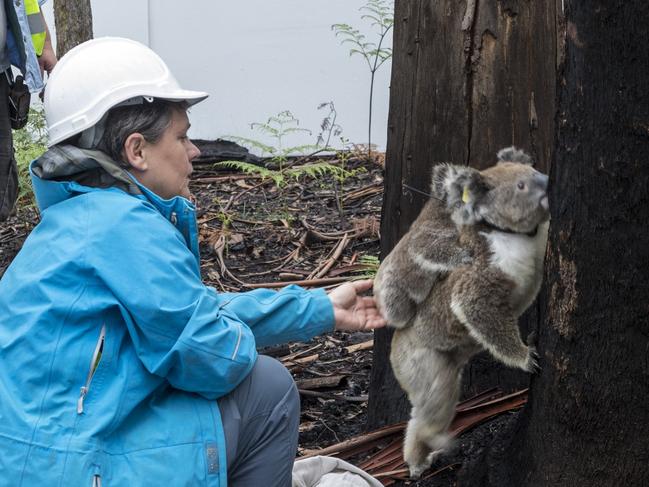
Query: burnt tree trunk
{"points": [[587, 420], [73, 21], [468, 78]]}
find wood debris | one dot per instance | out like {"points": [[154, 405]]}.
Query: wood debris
{"points": [[385, 445]]}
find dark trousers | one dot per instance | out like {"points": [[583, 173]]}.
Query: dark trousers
{"points": [[8, 171], [261, 419]]}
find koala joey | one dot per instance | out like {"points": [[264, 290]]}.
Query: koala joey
{"points": [[456, 284]]}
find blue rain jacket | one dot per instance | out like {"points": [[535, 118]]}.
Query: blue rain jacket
{"points": [[112, 350]]}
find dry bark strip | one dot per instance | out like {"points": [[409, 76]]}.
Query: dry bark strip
{"points": [[335, 397], [320, 382], [336, 252], [347, 445], [305, 283], [360, 346], [387, 464]]}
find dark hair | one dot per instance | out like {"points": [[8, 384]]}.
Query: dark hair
{"points": [[148, 119]]}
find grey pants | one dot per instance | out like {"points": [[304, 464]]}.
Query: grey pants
{"points": [[8, 172], [261, 418]]}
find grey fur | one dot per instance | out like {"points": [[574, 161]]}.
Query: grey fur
{"points": [[456, 284], [512, 154]]}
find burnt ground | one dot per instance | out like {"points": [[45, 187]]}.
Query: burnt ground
{"points": [[254, 232]]}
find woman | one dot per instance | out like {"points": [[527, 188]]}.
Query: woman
{"points": [[118, 365]]}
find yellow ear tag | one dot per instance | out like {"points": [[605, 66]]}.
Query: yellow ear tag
{"points": [[465, 195]]}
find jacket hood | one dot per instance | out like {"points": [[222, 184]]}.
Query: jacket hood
{"points": [[66, 170]]}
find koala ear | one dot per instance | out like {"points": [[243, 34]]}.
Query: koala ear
{"points": [[448, 181], [439, 176], [512, 154], [469, 197], [460, 187]]}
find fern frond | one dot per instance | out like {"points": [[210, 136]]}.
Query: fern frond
{"points": [[293, 130], [300, 149], [251, 143], [246, 167], [318, 169]]}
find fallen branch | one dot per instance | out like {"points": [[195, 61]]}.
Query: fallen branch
{"points": [[326, 395], [328, 264], [295, 355], [360, 346], [320, 382], [305, 283], [359, 440], [362, 192], [293, 363]]}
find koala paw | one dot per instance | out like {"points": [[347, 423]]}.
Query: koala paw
{"points": [[532, 365], [417, 470]]}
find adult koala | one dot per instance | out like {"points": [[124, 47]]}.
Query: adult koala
{"points": [[456, 284]]}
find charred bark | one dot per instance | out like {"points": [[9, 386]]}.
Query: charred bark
{"points": [[468, 78], [73, 21], [587, 421]]}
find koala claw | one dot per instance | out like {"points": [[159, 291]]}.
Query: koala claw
{"points": [[532, 365]]}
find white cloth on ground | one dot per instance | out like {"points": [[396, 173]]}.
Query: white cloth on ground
{"points": [[324, 471]]}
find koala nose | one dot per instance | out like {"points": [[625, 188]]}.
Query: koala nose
{"points": [[541, 180]]}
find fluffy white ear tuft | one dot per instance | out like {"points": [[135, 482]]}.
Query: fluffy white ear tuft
{"points": [[512, 154]]}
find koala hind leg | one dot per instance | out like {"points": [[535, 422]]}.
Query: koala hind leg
{"points": [[431, 415]]}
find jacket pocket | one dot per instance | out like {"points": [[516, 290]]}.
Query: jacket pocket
{"points": [[94, 362]]}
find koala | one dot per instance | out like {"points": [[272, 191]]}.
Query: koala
{"points": [[457, 283]]}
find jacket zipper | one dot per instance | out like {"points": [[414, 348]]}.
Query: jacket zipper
{"points": [[94, 362], [236, 348]]}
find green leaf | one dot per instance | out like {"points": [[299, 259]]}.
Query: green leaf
{"points": [[251, 143]]}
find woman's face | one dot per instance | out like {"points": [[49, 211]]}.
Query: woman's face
{"points": [[165, 165]]}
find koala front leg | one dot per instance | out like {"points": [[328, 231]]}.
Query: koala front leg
{"points": [[395, 305], [481, 301], [391, 293]]}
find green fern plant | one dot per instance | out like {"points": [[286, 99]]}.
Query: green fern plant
{"points": [[276, 175], [370, 267], [277, 127], [29, 143], [281, 177], [380, 14]]}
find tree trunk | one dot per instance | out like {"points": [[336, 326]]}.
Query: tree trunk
{"points": [[587, 420], [468, 78], [73, 21]]}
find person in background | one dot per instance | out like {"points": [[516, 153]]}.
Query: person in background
{"points": [[25, 43], [118, 366]]}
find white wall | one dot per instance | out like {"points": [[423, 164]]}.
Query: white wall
{"points": [[256, 58]]}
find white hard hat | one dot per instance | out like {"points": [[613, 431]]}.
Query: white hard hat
{"points": [[100, 74]]}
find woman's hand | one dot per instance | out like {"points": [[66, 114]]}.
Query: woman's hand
{"points": [[353, 312]]}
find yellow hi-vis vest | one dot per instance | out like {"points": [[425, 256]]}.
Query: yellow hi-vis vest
{"points": [[36, 25]]}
